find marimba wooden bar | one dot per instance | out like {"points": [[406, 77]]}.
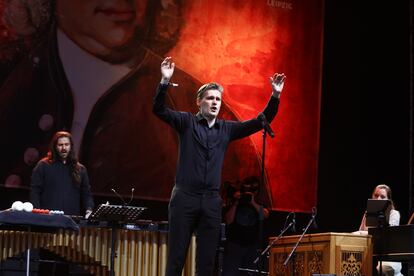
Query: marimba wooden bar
{"points": [[139, 252]]}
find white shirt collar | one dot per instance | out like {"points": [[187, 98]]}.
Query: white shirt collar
{"points": [[89, 78]]}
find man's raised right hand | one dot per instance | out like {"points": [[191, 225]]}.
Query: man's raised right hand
{"points": [[167, 70]]}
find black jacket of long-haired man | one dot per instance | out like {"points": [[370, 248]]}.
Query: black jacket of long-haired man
{"points": [[59, 181]]}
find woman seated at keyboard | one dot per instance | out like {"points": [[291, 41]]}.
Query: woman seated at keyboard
{"points": [[383, 192]]}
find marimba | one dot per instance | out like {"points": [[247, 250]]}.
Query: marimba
{"points": [[141, 249]]}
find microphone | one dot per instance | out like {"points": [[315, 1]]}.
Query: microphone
{"points": [[132, 196], [266, 125], [118, 195], [314, 213], [294, 222]]}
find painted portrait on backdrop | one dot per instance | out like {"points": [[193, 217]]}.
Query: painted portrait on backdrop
{"points": [[91, 68]]}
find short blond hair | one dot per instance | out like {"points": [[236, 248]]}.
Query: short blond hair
{"points": [[208, 86]]}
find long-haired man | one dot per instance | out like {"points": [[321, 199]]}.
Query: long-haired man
{"points": [[59, 181]]}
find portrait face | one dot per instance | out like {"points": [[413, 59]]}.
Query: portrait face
{"points": [[100, 26], [210, 103], [380, 194], [63, 147]]}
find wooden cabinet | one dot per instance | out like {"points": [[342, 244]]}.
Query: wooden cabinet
{"points": [[323, 253]]}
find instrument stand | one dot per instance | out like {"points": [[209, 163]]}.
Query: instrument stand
{"points": [[114, 233], [29, 245], [116, 216]]}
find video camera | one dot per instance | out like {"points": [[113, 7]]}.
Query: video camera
{"points": [[245, 196], [248, 188]]}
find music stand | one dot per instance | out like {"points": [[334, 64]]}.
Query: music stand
{"points": [[116, 215], [377, 214]]}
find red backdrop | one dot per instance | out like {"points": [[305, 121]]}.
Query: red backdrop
{"points": [[240, 44]]}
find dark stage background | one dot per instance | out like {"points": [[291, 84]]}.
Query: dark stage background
{"points": [[365, 116], [365, 125]]}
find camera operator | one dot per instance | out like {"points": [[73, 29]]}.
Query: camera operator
{"points": [[242, 215]]}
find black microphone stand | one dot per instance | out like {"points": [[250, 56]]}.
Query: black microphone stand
{"points": [[266, 250], [297, 244], [265, 125], [262, 179]]}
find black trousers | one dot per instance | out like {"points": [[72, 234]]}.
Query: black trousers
{"points": [[188, 214]]}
